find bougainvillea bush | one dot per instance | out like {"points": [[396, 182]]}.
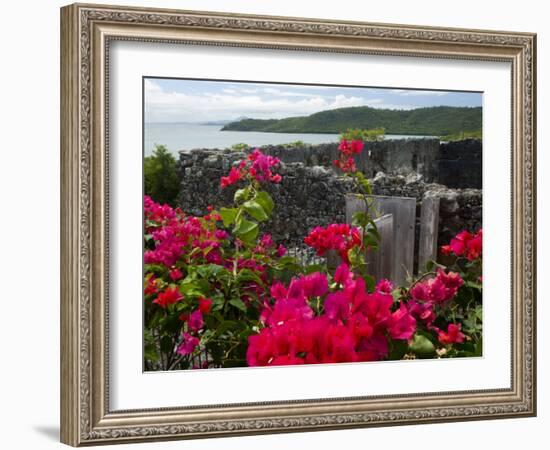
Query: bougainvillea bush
{"points": [[219, 292]]}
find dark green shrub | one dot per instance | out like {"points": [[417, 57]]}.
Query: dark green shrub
{"points": [[160, 176]]}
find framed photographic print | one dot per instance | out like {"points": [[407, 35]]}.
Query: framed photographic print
{"points": [[276, 224]]}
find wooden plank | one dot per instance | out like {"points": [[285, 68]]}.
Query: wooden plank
{"points": [[429, 224], [380, 262], [403, 210]]}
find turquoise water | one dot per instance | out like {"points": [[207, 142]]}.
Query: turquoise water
{"points": [[186, 136]]}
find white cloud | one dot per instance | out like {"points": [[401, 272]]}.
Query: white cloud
{"points": [[413, 93], [229, 103]]}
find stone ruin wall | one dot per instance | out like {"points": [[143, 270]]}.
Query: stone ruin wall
{"points": [[312, 193]]}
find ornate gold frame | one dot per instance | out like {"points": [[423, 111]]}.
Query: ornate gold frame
{"points": [[86, 31]]}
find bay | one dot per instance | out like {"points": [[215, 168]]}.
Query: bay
{"points": [[187, 136]]}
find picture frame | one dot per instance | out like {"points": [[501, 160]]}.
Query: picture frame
{"points": [[87, 32]]}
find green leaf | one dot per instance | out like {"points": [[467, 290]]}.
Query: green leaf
{"points": [[360, 219], [255, 210], [228, 215], [422, 346], [238, 303], [224, 326], [372, 229], [473, 285], [398, 349], [241, 195], [150, 353], [218, 303], [192, 289], [264, 199], [209, 270], [243, 226], [248, 275], [370, 282], [355, 256], [246, 230]]}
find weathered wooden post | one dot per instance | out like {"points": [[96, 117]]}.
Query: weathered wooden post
{"points": [[429, 224], [380, 262], [403, 210]]}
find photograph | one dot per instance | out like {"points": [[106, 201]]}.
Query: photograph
{"points": [[291, 224], [275, 223]]}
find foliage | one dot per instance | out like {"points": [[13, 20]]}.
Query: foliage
{"points": [[355, 134], [462, 135], [432, 121], [240, 147], [160, 176], [295, 144], [218, 293]]}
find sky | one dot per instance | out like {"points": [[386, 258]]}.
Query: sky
{"points": [[196, 101]]}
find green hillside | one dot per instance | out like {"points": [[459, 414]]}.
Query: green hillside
{"points": [[435, 121]]}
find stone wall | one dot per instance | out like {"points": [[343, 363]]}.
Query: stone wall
{"points": [[312, 193], [397, 156], [305, 198], [460, 164]]}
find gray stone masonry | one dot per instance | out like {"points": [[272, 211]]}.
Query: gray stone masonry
{"points": [[312, 193]]}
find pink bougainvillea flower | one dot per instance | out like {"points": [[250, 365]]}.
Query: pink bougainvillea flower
{"points": [[262, 165], [195, 321], [446, 249], [315, 284], [337, 236], [438, 290], [175, 274], [347, 164], [458, 243], [374, 348], [281, 251], [451, 280], [377, 307], [278, 291], [234, 176], [350, 147], [442, 288], [267, 241], [347, 149], [402, 324], [205, 305], [342, 274], [289, 310], [420, 292], [474, 247], [257, 166], [452, 336], [337, 306], [188, 344], [296, 290], [221, 234], [465, 244], [360, 327], [384, 286], [169, 296], [423, 311]]}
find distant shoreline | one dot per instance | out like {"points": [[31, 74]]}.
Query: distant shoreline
{"points": [[430, 121], [324, 132]]}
